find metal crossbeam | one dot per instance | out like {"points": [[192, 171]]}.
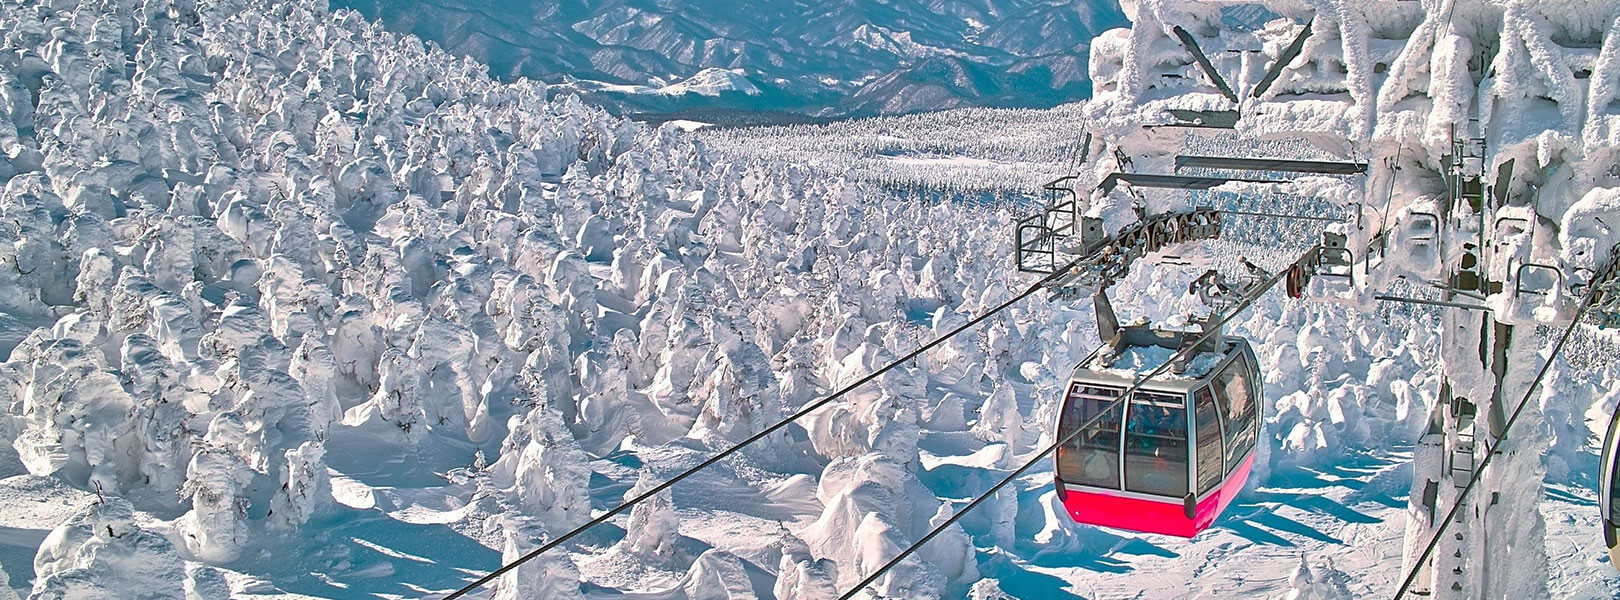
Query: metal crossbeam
{"points": [[1205, 119], [1272, 164], [1288, 55], [1191, 45], [1174, 182]]}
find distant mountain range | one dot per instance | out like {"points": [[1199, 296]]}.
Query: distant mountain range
{"points": [[775, 60]]}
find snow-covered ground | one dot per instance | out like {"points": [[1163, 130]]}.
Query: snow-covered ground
{"points": [[965, 150], [296, 307]]}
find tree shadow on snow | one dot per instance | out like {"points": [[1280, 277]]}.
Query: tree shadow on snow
{"points": [[371, 456], [1317, 478], [1382, 478], [958, 481], [1108, 561], [1563, 494], [1082, 546], [1352, 472], [1259, 509], [606, 492], [17, 549], [1248, 531], [1309, 502], [1284, 524], [1028, 585], [385, 556], [1018, 581]]}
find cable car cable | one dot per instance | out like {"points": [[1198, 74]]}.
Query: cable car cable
{"points": [[1120, 401], [1479, 471], [806, 410]]}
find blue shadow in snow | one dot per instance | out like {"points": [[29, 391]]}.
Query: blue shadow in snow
{"points": [[1583, 471], [1090, 562], [1091, 548], [1563, 495], [419, 559], [375, 457], [605, 492], [1024, 584], [1285, 524], [1258, 509], [1141, 547], [1296, 477], [1255, 534], [1351, 472], [958, 482], [17, 549], [1310, 502], [1084, 557], [921, 311], [625, 459], [1015, 578]]}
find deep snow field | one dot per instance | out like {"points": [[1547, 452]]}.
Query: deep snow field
{"points": [[965, 150], [292, 306]]}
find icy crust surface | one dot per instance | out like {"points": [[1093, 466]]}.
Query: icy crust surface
{"points": [[303, 308]]}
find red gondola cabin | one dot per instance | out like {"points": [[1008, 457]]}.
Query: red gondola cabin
{"points": [[1187, 441]]}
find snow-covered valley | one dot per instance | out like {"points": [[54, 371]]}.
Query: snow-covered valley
{"points": [[746, 61], [292, 306]]}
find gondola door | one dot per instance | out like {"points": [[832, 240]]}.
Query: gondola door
{"points": [[1608, 493]]}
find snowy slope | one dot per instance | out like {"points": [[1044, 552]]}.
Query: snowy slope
{"points": [[712, 82], [967, 150]]}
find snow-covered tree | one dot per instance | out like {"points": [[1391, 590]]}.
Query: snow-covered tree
{"points": [[217, 527], [999, 418], [547, 577], [800, 576], [543, 467], [653, 532], [306, 488], [102, 553]]}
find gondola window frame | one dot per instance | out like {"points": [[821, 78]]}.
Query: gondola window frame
{"points": [[1209, 445], [1159, 447]]}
